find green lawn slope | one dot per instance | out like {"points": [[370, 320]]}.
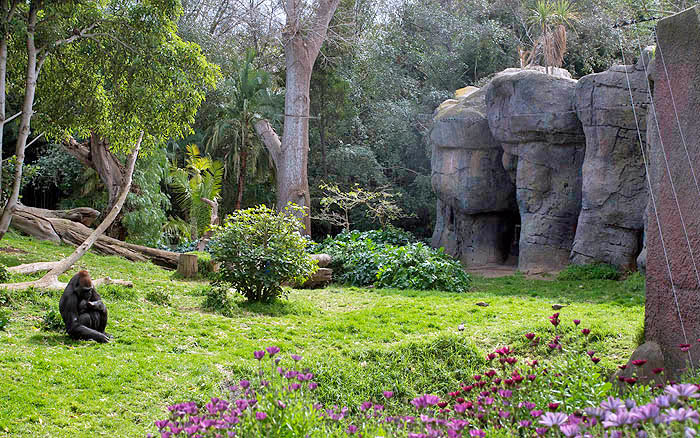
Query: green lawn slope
{"points": [[358, 341]]}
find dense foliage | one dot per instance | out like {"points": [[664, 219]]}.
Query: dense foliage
{"points": [[390, 257], [259, 249]]}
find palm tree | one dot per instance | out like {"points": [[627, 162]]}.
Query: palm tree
{"points": [[199, 181], [249, 97], [552, 18]]}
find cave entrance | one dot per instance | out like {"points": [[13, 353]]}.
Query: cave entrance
{"points": [[511, 240]]}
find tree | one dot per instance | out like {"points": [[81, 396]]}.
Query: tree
{"points": [[234, 130], [552, 19], [197, 187], [124, 75], [302, 44]]}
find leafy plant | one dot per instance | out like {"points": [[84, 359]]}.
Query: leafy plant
{"points": [[259, 249], [158, 296], [4, 318], [417, 266], [4, 274], [200, 179], [596, 271], [52, 321], [218, 299]]}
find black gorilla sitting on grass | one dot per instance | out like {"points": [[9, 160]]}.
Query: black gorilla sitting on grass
{"points": [[82, 309]]}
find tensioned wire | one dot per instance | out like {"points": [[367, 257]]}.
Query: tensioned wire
{"points": [[652, 198], [675, 110], [668, 167]]}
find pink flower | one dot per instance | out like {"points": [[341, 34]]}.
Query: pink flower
{"points": [[553, 406], [530, 336], [388, 394], [577, 321], [259, 354], [595, 359], [272, 350], [684, 347], [586, 331], [639, 362], [260, 416], [657, 370]]}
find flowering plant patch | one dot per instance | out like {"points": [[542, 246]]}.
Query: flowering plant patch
{"points": [[554, 395]]}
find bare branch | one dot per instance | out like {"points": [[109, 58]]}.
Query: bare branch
{"points": [[11, 118]]}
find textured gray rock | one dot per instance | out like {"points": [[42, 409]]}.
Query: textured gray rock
{"points": [[476, 198], [532, 115], [614, 189]]}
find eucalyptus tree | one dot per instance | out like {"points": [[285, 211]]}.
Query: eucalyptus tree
{"points": [[305, 31], [113, 69]]}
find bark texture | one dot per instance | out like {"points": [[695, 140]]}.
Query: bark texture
{"points": [[302, 46]]}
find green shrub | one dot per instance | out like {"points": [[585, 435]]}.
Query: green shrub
{"points": [[354, 253], [159, 296], [4, 318], [596, 271], [4, 274], [417, 266], [259, 250], [218, 299], [52, 320]]}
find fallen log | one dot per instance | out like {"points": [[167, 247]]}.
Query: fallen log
{"points": [[58, 227]]}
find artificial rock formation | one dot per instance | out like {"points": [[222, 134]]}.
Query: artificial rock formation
{"points": [[532, 115], [673, 301], [476, 198], [614, 191], [572, 154]]}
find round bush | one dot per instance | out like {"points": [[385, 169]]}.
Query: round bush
{"points": [[259, 249]]}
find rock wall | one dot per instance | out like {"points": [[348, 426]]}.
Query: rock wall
{"points": [[476, 199], [611, 223], [678, 39], [532, 115], [559, 157]]}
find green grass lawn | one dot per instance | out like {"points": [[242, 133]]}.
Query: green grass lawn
{"points": [[358, 341]]}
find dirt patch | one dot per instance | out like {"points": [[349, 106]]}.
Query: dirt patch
{"points": [[11, 250], [495, 271]]}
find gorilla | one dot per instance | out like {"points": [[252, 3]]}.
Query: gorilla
{"points": [[82, 309]]}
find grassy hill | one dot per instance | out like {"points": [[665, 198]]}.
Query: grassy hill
{"points": [[358, 341]]}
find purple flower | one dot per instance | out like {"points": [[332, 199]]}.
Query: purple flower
{"points": [[505, 393], [612, 404], [259, 354], [541, 431], [681, 415], [577, 321], [260, 416], [645, 412], [365, 405], [618, 419], [281, 404], [536, 413], [313, 385], [525, 423], [683, 390], [388, 394], [296, 357], [272, 350], [352, 429], [569, 430], [551, 419], [477, 433], [244, 384]]}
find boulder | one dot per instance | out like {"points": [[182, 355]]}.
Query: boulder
{"points": [[532, 115], [614, 187], [649, 352], [476, 198]]}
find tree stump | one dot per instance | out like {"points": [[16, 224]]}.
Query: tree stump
{"points": [[187, 265]]}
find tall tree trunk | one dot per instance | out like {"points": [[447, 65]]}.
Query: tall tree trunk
{"points": [[3, 75], [66, 263], [243, 165], [292, 176], [27, 112]]}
